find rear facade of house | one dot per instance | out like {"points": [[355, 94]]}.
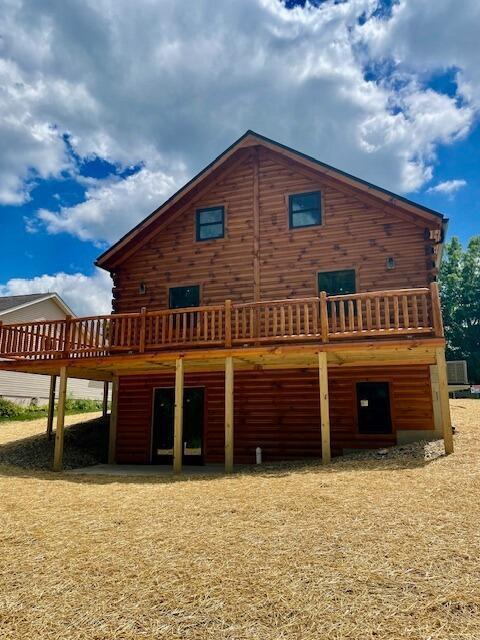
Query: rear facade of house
{"points": [[275, 303], [311, 235]]}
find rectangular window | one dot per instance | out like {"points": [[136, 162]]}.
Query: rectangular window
{"points": [[210, 223], [304, 209], [337, 283], [182, 297]]}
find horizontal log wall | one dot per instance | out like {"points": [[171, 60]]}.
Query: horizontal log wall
{"points": [[223, 268], [276, 410], [353, 235]]}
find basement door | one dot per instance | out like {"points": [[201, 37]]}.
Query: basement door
{"points": [[162, 428], [373, 408]]}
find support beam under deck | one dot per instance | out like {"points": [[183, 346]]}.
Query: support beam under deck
{"points": [[62, 396], [324, 406], [51, 406], [105, 399], [444, 401], [228, 414], [112, 434], [178, 417]]}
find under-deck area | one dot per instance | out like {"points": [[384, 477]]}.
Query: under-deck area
{"points": [[293, 401]]}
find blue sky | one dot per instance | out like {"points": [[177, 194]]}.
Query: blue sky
{"points": [[108, 108]]}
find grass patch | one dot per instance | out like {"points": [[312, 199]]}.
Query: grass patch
{"points": [[357, 550], [12, 411]]}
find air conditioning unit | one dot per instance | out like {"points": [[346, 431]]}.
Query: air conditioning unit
{"points": [[457, 372]]}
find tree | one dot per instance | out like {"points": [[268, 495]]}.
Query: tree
{"points": [[460, 291]]}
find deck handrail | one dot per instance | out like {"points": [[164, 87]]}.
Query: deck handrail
{"points": [[322, 318], [389, 293]]}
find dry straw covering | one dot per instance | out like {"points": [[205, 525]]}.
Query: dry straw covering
{"points": [[363, 549]]}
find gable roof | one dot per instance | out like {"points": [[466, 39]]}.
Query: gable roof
{"points": [[13, 303], [7, 303], [250, 138]]}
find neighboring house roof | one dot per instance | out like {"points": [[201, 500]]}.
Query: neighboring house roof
{"points": [[7, 303], [116, 252], [13, 303]]}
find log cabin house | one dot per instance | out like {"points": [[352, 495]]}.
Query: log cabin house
{"points": [[275, 302]]}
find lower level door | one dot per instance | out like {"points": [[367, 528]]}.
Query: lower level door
{"points": [[193, 416], [373, 408]]}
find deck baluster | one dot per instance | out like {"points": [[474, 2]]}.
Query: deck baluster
{"points": [[395, 312]]}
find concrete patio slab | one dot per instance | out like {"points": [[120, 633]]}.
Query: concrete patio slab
{"points": [[133, 470]]}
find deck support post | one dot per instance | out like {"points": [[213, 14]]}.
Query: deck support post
{"points": [[112, 433], [62, 396], [444, 401], [228, 414], [51, 406], [105, 399], [437, 409], [178, 417], [324, 406]]}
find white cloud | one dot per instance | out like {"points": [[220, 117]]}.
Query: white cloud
{"points": [[30, 145], [85, 295], [111, 209], [423, 36], [170, 86], [448, 187]]}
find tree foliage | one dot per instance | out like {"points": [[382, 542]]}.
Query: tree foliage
{"points": [[460, 290]]}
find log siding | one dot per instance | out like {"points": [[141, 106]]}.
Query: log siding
{"points": [[278, 410], [260, 257]]}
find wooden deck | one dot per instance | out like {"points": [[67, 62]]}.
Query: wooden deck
{"points": [[323, 319]]}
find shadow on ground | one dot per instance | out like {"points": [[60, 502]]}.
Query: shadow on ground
{"points": [[85, 444]]}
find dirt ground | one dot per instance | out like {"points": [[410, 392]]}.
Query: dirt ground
{"points": [[361, 549]]}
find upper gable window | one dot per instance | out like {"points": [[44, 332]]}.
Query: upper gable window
{"points": [[305, 209], [210, 223]]}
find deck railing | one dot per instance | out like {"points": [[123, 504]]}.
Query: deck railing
{"points": [[324, 318]]}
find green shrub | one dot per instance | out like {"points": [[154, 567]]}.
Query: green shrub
{"points": [[12, 411], [9, 409], [80, 405]]}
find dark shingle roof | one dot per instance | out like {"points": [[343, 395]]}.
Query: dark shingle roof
{"points": [[10, 302]]}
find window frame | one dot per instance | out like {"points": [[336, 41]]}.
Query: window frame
{"points": [[183, 286], [324, 271], [289, 198], [199, 225]]}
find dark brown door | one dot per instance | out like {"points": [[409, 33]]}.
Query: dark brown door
{"points": [[373, 408], [193, 417]]}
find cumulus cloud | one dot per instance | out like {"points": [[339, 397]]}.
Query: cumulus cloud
{"points": [[85, 295], [169, 87], [448, 187], [423, 36], [30, 146], [111, 209]]}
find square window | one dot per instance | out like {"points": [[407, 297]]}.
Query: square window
{"points": [[183, 297], [210, 223], [304, 209], [337, 283]]}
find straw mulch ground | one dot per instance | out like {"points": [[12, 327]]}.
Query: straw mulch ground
{"points": [[363, 549]]}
